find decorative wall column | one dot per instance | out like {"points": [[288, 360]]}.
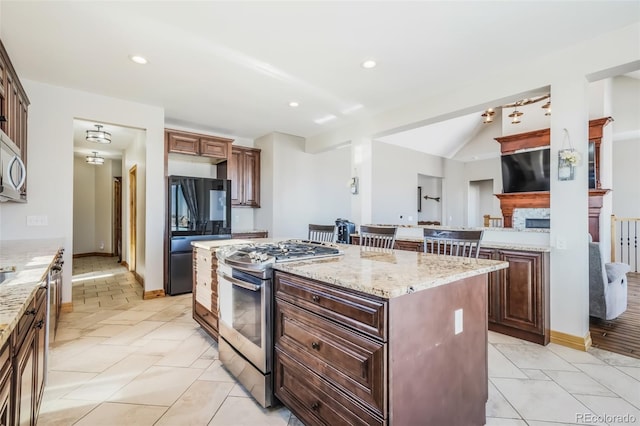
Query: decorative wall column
{"points": [[569, 214]]}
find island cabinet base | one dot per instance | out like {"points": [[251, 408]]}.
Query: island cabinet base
{"points": [[346, 357]]}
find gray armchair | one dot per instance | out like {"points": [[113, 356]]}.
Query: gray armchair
{"points": [[607, 286]]}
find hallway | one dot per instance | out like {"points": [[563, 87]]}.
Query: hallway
{"points": [[118, 359]]}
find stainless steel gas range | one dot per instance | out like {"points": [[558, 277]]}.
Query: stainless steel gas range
{"points": [[246, 315]]}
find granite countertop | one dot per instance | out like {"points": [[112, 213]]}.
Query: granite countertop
{"points": [[32, 259], [389, 273], [488, 244], [478, 228], [214, 244]]}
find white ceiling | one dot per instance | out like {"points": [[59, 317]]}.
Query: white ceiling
{"points": [[233, 67]]}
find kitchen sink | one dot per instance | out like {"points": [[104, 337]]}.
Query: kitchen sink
{"points": [[7, 273]]}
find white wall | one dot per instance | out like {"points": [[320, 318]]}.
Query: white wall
{"points": [[298, 188], [626, 147], [50, 170], [104, 208], [92, 206], [431, 209], [134, 155], [84, 206], [395, 182]]}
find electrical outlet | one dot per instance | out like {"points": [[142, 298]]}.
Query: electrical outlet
{"points": [[101, 245], [36, 220], [457, 321]]}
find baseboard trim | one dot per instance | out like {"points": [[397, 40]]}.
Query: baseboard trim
{"points": [[139, 278], [125, 264], [102, 254], [66, 307], [570, 341], [153, 294]]}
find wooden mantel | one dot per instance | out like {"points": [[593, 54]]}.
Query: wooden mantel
{"points": [[540, 199]]}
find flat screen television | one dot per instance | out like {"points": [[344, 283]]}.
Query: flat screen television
{"points": [[526, 171]]}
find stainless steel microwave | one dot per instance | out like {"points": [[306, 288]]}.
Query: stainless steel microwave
{"points": [[12, 171]]}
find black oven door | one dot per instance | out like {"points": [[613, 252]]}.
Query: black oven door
{"points": [[245, 315]]}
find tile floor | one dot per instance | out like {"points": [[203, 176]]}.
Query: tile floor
{"points": [[120, 360]]}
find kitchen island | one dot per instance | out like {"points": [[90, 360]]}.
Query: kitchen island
{"points": [[383, 337]]}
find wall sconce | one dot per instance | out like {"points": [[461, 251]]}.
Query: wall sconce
{"points": [[353, 184]]}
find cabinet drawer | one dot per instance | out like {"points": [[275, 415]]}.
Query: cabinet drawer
{"points": [[364, 313], [213, 148], [409, 245], [313, 400], [206, 315], [354, 363]]}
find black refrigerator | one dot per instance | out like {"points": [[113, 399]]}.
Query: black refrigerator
{"points": [[199, 209]]}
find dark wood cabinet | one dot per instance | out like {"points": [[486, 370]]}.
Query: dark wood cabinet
{"points": [[205, 290], [244, 172], [182, 143], [518, 297], [29, 348], [6, 379], [214, 147], [346, 357], [492, 286], [29, 372], [14, 105], [319, 330]]}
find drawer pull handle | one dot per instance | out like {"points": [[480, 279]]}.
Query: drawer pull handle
{"points": [[40, 324], [315, 298], [31, 312], [315, 345], [315, 406]]}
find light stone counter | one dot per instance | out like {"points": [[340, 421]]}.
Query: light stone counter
{"points": [[490, 244], [214, 244], [32, 259], [389, 273]]}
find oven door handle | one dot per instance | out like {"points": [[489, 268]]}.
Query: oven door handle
{"points": [[239, 283]]}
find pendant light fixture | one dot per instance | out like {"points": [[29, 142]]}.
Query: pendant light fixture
{"points": [[94, 159], [515, 116], [488, 116], [99, 136]]}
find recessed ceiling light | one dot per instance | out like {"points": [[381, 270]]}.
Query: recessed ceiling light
{"points": [[139, 59], [369, 64], [293, 104]]}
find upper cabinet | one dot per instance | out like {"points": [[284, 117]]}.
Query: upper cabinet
{"points": [[244, 172], [14, 105], [215, 147]]}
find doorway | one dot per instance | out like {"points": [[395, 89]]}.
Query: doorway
{"points": [[117, 218], [480, 201], [133, 172]]}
